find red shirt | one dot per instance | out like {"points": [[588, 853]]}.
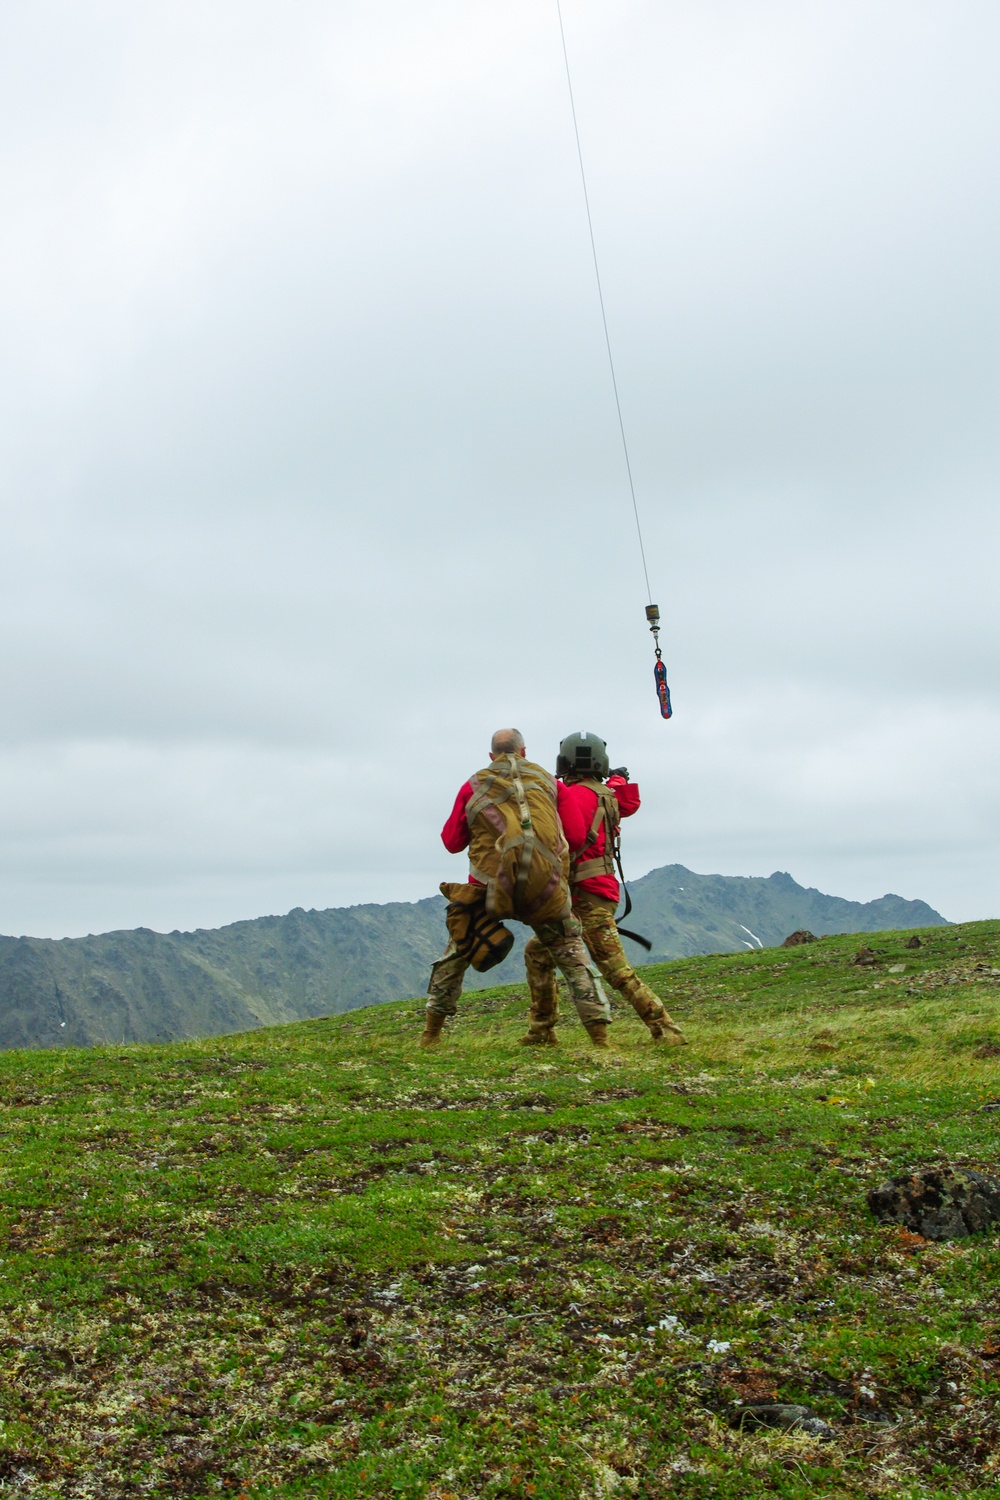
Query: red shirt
{"points": [[455, 834], [577, 805]]}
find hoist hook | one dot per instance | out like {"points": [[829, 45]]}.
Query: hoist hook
{"points": [[659, 671]]}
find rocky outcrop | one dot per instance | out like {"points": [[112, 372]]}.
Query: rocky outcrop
{"points": [[940, 1203]]}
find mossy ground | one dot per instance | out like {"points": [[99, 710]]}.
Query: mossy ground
{"points": [[313, 1261]]}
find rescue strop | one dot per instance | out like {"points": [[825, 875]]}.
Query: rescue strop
{"points": [[660, 669]]}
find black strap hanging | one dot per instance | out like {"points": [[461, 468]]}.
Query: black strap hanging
{"points": [[623, 931]]}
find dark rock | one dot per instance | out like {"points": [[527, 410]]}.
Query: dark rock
{"points": [[781, 1416], [866, 955], [914, 942], [941, 1203], [877, 1418], [800, 936], [817, 1428]]}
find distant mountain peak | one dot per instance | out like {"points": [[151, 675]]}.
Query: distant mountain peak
{"points": [[148, 986]]}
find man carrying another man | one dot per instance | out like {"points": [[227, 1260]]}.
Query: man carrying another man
{"points": [[506, 816]]}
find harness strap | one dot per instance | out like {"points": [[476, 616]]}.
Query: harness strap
{"points": [[486, 797], [606, 815], [600, 817], [590, 869], [606, 812]]}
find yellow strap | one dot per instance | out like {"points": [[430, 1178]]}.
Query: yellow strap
{"points": [[528, 836]]}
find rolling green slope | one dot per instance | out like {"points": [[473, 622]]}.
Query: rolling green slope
{"points": [[314, 1261]]}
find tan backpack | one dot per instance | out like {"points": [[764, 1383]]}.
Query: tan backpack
{"points": [[517, 849]]}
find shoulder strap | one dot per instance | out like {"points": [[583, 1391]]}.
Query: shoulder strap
{"points": [[497, 784], [527, 834], [606, 816], [488, 789]]}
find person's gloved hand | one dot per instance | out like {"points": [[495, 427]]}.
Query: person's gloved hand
{"points": [[621, 771]]}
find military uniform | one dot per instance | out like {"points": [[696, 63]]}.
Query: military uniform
{"points": [[600, 933], [590, 812], [561, 941]]}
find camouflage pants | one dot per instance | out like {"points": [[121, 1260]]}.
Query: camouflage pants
{"points": [[561, 942], [597, 919]]}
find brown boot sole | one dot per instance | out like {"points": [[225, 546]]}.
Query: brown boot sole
{"points": [[539, 1039]]}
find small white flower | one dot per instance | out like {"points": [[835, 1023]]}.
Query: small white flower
{"points": [[719, 1346]]}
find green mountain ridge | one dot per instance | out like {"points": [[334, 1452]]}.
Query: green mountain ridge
{"points": [[143, 986]]}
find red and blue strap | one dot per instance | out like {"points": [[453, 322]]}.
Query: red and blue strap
{"points": [[662, 690]]}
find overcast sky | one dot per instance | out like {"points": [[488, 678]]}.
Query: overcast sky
{"points": [[310, 469]]}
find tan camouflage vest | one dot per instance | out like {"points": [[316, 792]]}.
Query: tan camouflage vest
{"points": [[607, 815], [517, 847]]}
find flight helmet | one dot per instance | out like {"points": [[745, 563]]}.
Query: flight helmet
{"points": [[583, 754]]}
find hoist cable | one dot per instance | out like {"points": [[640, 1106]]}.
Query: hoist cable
{"points": [[600, 297]]}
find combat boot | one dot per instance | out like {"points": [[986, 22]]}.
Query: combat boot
{"points": [[539, 1036], [664, 1030], [433, 1024], [598, 1032], [652, 1012]]}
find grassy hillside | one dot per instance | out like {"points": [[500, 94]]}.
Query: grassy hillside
{"points": [[312, 1261], [147, 986]]}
